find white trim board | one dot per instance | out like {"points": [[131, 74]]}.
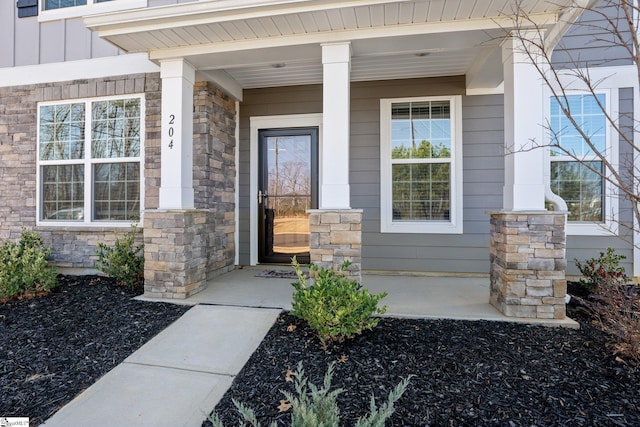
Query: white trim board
{"points": [[75, 70], [272, 122]]}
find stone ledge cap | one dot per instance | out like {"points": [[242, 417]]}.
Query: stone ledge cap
{"points": [[310, 211], [506, 212]]}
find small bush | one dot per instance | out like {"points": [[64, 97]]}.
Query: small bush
{"points": [[605, 268], [613, 305], [124, 262], [312, 406], [336, 307], [24, 268]]}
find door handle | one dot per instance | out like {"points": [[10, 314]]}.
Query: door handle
{"points": [[261, 196]]}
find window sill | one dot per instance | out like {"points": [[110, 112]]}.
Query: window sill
{"points": [[80, 11], [592, 229], [83, 226], [421, 228]]}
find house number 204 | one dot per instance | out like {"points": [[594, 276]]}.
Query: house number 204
{"points": [[172, 120]]}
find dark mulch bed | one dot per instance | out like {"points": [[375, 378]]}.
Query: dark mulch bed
{"points": [[53, 347], [466, 374]]}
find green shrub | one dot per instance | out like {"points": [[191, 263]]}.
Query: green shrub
{"points": [[605, 268], [312, 406], [24, 268], [336, 307], [613, 305], [124, 262]]}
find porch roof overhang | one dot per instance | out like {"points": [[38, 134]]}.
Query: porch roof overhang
{"points": [[241, 44]]}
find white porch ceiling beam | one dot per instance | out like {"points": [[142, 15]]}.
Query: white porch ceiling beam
{"points": [[224, 81]]}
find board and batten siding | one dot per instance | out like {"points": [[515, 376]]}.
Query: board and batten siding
{"points": [[25, 41]]}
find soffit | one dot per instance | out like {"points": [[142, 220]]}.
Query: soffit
{"points": [[248, 40]]}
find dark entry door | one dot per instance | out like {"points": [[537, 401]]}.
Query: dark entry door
{"points": [[287, 187]]}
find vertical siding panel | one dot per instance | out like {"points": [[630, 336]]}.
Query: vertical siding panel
{"points": [[27, 36], [52, 41], [9, 15], [101, 48], [78, 40]]}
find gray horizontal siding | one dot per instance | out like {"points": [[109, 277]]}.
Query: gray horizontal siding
{"points": [[416, 252], [25, 41], [266, 102], [483, 175], [590, 41]]}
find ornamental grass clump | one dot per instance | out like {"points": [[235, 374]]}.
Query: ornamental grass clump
{"points": [[24, 269], [313, 406], [334, 306], [124, 261]]}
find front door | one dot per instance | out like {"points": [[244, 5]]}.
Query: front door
{"points": [[287, 187]]}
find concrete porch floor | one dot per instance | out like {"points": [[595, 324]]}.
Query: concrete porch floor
{"points": [[409, 296]]}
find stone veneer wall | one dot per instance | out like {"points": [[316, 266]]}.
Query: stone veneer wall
{"points": [[214, 171], [528, 263], [183, 249], [72, 247], [336, 237]]}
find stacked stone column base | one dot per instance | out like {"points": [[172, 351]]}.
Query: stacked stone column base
{"points": [[336, 237], [528, 263], [175, 253]]}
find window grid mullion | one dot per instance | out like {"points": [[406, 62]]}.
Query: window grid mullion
{"points": [[88, 172]]}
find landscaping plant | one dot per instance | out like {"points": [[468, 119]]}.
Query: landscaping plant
{"points": [[318, 407], [24, 268], [124, 262], [604, 269], [614, 305], [336, 307]]}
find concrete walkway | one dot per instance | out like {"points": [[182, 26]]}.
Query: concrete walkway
{"points": [[176, 378], [179, 376]]}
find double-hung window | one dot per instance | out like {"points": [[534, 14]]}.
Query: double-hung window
{"points": [[89, 161], [421, 165], [576, 169]]}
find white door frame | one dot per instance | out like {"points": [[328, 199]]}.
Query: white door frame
{"points": [[273, 122]]}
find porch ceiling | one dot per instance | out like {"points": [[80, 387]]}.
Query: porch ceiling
{"points": [[251, 43]]}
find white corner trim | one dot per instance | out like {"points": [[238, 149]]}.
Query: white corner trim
{"points": [[236, 196], [271, 122], [74, 70]]}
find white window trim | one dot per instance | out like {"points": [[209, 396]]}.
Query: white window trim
{"points": [[88, 193], [611, 209], [454, 225], [88, 9]]}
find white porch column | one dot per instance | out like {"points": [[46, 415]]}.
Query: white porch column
{"points": [[334, 156], [176, 153], [523, 130]]}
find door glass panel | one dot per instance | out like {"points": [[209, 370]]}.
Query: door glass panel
{"points": [[288, 188]]}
